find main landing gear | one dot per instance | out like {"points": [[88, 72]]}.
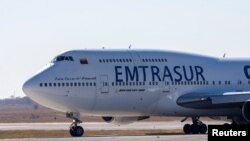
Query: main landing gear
{"points": [[75, 130], [196, 128]]}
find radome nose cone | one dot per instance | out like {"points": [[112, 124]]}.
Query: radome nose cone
{"points": [[27, 86]]}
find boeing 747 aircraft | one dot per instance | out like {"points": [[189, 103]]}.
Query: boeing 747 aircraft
{"points": [[131, 85]]}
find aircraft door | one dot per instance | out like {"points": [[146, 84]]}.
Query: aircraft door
{"points": [[104, 85], [136, 58]]}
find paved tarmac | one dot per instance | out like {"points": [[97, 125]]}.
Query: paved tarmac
{"points": [[97, 126], [107, 126], [126, 138]]}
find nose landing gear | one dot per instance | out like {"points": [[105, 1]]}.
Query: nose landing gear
{"points": [[75, 130], [196, 128]]}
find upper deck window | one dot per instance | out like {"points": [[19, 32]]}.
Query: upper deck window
{"points": [[63, 58]]}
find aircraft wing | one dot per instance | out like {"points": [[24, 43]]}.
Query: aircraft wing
{"points": [[208, 101]]}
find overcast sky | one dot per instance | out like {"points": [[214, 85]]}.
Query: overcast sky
{"points": [[32, 32]]}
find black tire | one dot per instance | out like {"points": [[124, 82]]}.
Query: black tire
{"points": [[72, 131], [203, 128], [195, 129], [187, 129], [79, 131]]}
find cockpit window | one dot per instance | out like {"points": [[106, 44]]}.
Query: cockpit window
{"points": [[63, 58]]}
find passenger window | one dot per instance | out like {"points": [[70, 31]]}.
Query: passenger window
{"points": [[239, 82], [45, 84], [41, 84], [167, 83]]}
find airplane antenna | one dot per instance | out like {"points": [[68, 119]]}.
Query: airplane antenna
{"points": [[130, 46], [224, 55], [103, 47]]}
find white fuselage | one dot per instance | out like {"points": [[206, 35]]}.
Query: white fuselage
{"points": [[135, 83]]}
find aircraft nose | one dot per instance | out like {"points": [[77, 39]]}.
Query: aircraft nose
{"points": [[28, 87]]}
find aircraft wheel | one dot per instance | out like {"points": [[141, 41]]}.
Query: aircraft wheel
{"points": [[187, 129], [72, 131], [79, 131], [76, 131], [195, 128], [203, 128]]}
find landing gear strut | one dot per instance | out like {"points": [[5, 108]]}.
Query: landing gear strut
{"points": [[196, 128], [75, 130]]}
